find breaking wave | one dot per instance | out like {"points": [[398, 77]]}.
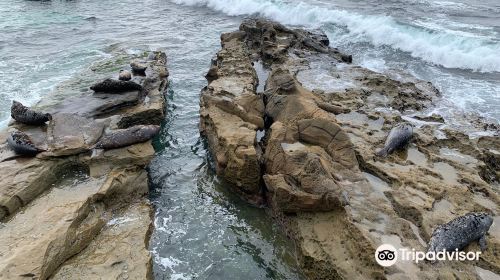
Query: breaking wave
{"points": [[439, 47]]}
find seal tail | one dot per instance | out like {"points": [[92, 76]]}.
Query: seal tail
{"points": [[383, 152], [96, 152]]}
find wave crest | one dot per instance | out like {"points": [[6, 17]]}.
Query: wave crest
{"points": [[445, 49]]}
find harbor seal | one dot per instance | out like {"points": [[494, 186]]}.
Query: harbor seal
{"points": [[461, 231], [398, 138], [22, 144], [138, 66], [124, 75], [25, 115], [126, 137], [115, 86]]}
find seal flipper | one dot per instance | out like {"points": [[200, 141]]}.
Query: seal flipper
{"points": [[482, 243], [383, 152], [96, 152]]}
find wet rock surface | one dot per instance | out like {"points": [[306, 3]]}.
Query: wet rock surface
{"points": [[323, 120], [73, 212]]}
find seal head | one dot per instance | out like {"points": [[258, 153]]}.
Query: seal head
{"points": [[25, 115]]}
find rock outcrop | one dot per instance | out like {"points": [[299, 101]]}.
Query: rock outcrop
{"points": [[307, 146], [73, 212], [231, 113]]}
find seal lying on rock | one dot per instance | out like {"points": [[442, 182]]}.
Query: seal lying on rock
{"points": [[22, 144], [115, 86], [398, 138], [126, 137], [124, 75], [25, 115], [461, 231], [138, 67]]}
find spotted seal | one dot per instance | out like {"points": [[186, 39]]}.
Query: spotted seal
{"points": [[461, 231], [115, 86], [398, 138], [124, 75], [25, 115], [22, 144], [126, 137]]}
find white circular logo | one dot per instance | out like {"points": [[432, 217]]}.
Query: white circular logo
{"points": [[386, 255]]}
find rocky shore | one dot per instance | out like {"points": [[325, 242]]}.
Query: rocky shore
{"points": [[75, 212], [305, 146]]}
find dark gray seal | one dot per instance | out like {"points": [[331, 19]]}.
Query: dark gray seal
{"points": [[115, 86], [398, 138], [22, 144], [461, 231], [127, 137], [25, 115], [124, 75], [138, 67]]}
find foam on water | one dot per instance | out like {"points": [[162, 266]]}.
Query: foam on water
{"points": [[443, 48]]}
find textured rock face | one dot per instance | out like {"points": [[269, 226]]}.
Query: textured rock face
{"points": [[118, 252], [231, 113], [69, 134], [84, 213], [305, 147], [324, 121]]}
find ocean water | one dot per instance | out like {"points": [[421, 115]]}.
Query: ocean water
{"points": [[202, 230]]}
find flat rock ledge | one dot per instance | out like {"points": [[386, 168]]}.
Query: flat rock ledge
{"points": [[304, 145], [73, 212]]}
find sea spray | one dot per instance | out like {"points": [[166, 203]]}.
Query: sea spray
{"points": [[438, 47]]}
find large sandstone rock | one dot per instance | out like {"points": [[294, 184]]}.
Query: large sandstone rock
{"points": [[23, 180], [325, 119], [70, 134], [118, 252], [231, 113]]}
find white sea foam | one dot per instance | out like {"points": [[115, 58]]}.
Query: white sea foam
{"points": [[438, 47]]}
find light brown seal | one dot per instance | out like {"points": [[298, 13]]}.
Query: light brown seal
{"points": [[124, 75]]}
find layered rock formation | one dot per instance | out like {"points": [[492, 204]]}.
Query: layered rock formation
{"points": [[231, 113], [306, 146], [73, 212]]}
